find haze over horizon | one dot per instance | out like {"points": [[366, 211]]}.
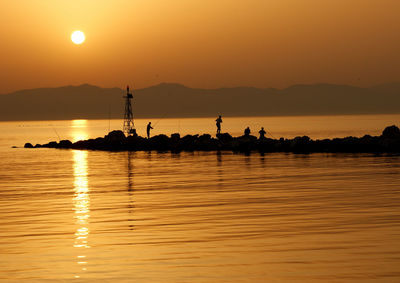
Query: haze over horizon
{"points": [[200, 44], [176, 100]]}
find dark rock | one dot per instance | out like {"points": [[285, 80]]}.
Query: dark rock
{"points": [[175, 136], [188, 142], [391, 132], [205, 137], [389, 145], [136, 143], [245, 143], [115, 136], [206, 142], [160, 142], [28, 145], [65, 144], [175, 142], [268, 145], [100, 143], [301, 144], [247, 138], [114, 141], [51, 144], [225, 137], [80, 145], [189, 138]]}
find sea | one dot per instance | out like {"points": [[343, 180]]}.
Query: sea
{"points": [[94, 216]]}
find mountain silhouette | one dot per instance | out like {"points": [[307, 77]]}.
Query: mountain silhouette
{"points": [[176, 100]]}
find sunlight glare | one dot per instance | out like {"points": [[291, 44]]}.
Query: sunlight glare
{"points": [[79, 130], [78, 37]]}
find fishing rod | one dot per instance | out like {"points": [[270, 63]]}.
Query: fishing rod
{"points": [[270, 134], [165, 114], [109, 117], [59, 139]]}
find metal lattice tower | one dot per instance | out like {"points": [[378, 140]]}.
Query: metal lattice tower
{"points": [[129, 126]]}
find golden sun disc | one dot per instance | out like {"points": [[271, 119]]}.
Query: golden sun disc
{"points": [[78, 37]]}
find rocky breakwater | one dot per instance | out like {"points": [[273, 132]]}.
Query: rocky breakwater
{"points": [[387, 142]]}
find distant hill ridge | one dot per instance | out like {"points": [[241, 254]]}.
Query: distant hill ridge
{"points": [[176, 100]]}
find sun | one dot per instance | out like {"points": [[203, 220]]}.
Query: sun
{"points": [[78, 37]]}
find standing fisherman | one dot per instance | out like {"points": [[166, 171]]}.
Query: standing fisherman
{"points": [[149, 127], [262, 133], [219, 121], [247, 131]]}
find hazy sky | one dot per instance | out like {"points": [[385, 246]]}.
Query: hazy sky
{"points": [[199, 43]]}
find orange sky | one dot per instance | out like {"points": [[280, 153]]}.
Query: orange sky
{"points": [[199, 43]]}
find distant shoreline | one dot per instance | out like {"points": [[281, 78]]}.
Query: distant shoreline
{"points": [[179, 101]]}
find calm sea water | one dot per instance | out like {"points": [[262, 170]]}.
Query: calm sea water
{"points": [[198, 217]]}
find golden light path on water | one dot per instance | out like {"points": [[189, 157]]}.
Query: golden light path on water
{"points": [[79, 130], [81, 199]]}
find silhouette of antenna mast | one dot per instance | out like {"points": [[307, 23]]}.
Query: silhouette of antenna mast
{"points": [[129, 126]]}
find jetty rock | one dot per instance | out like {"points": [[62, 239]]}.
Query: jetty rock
{"points": [[391, 132], [115, 136], [28, 145], [388, 142], [65, 144]]}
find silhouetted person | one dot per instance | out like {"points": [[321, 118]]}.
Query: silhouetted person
{"points": [[262, 133], [247, 131], [219, 121], [133, 132], [149, 127]]}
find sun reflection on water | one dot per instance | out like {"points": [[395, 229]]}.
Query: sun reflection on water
{"points": [[81, 202], [79, 130], [79, 123]]}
